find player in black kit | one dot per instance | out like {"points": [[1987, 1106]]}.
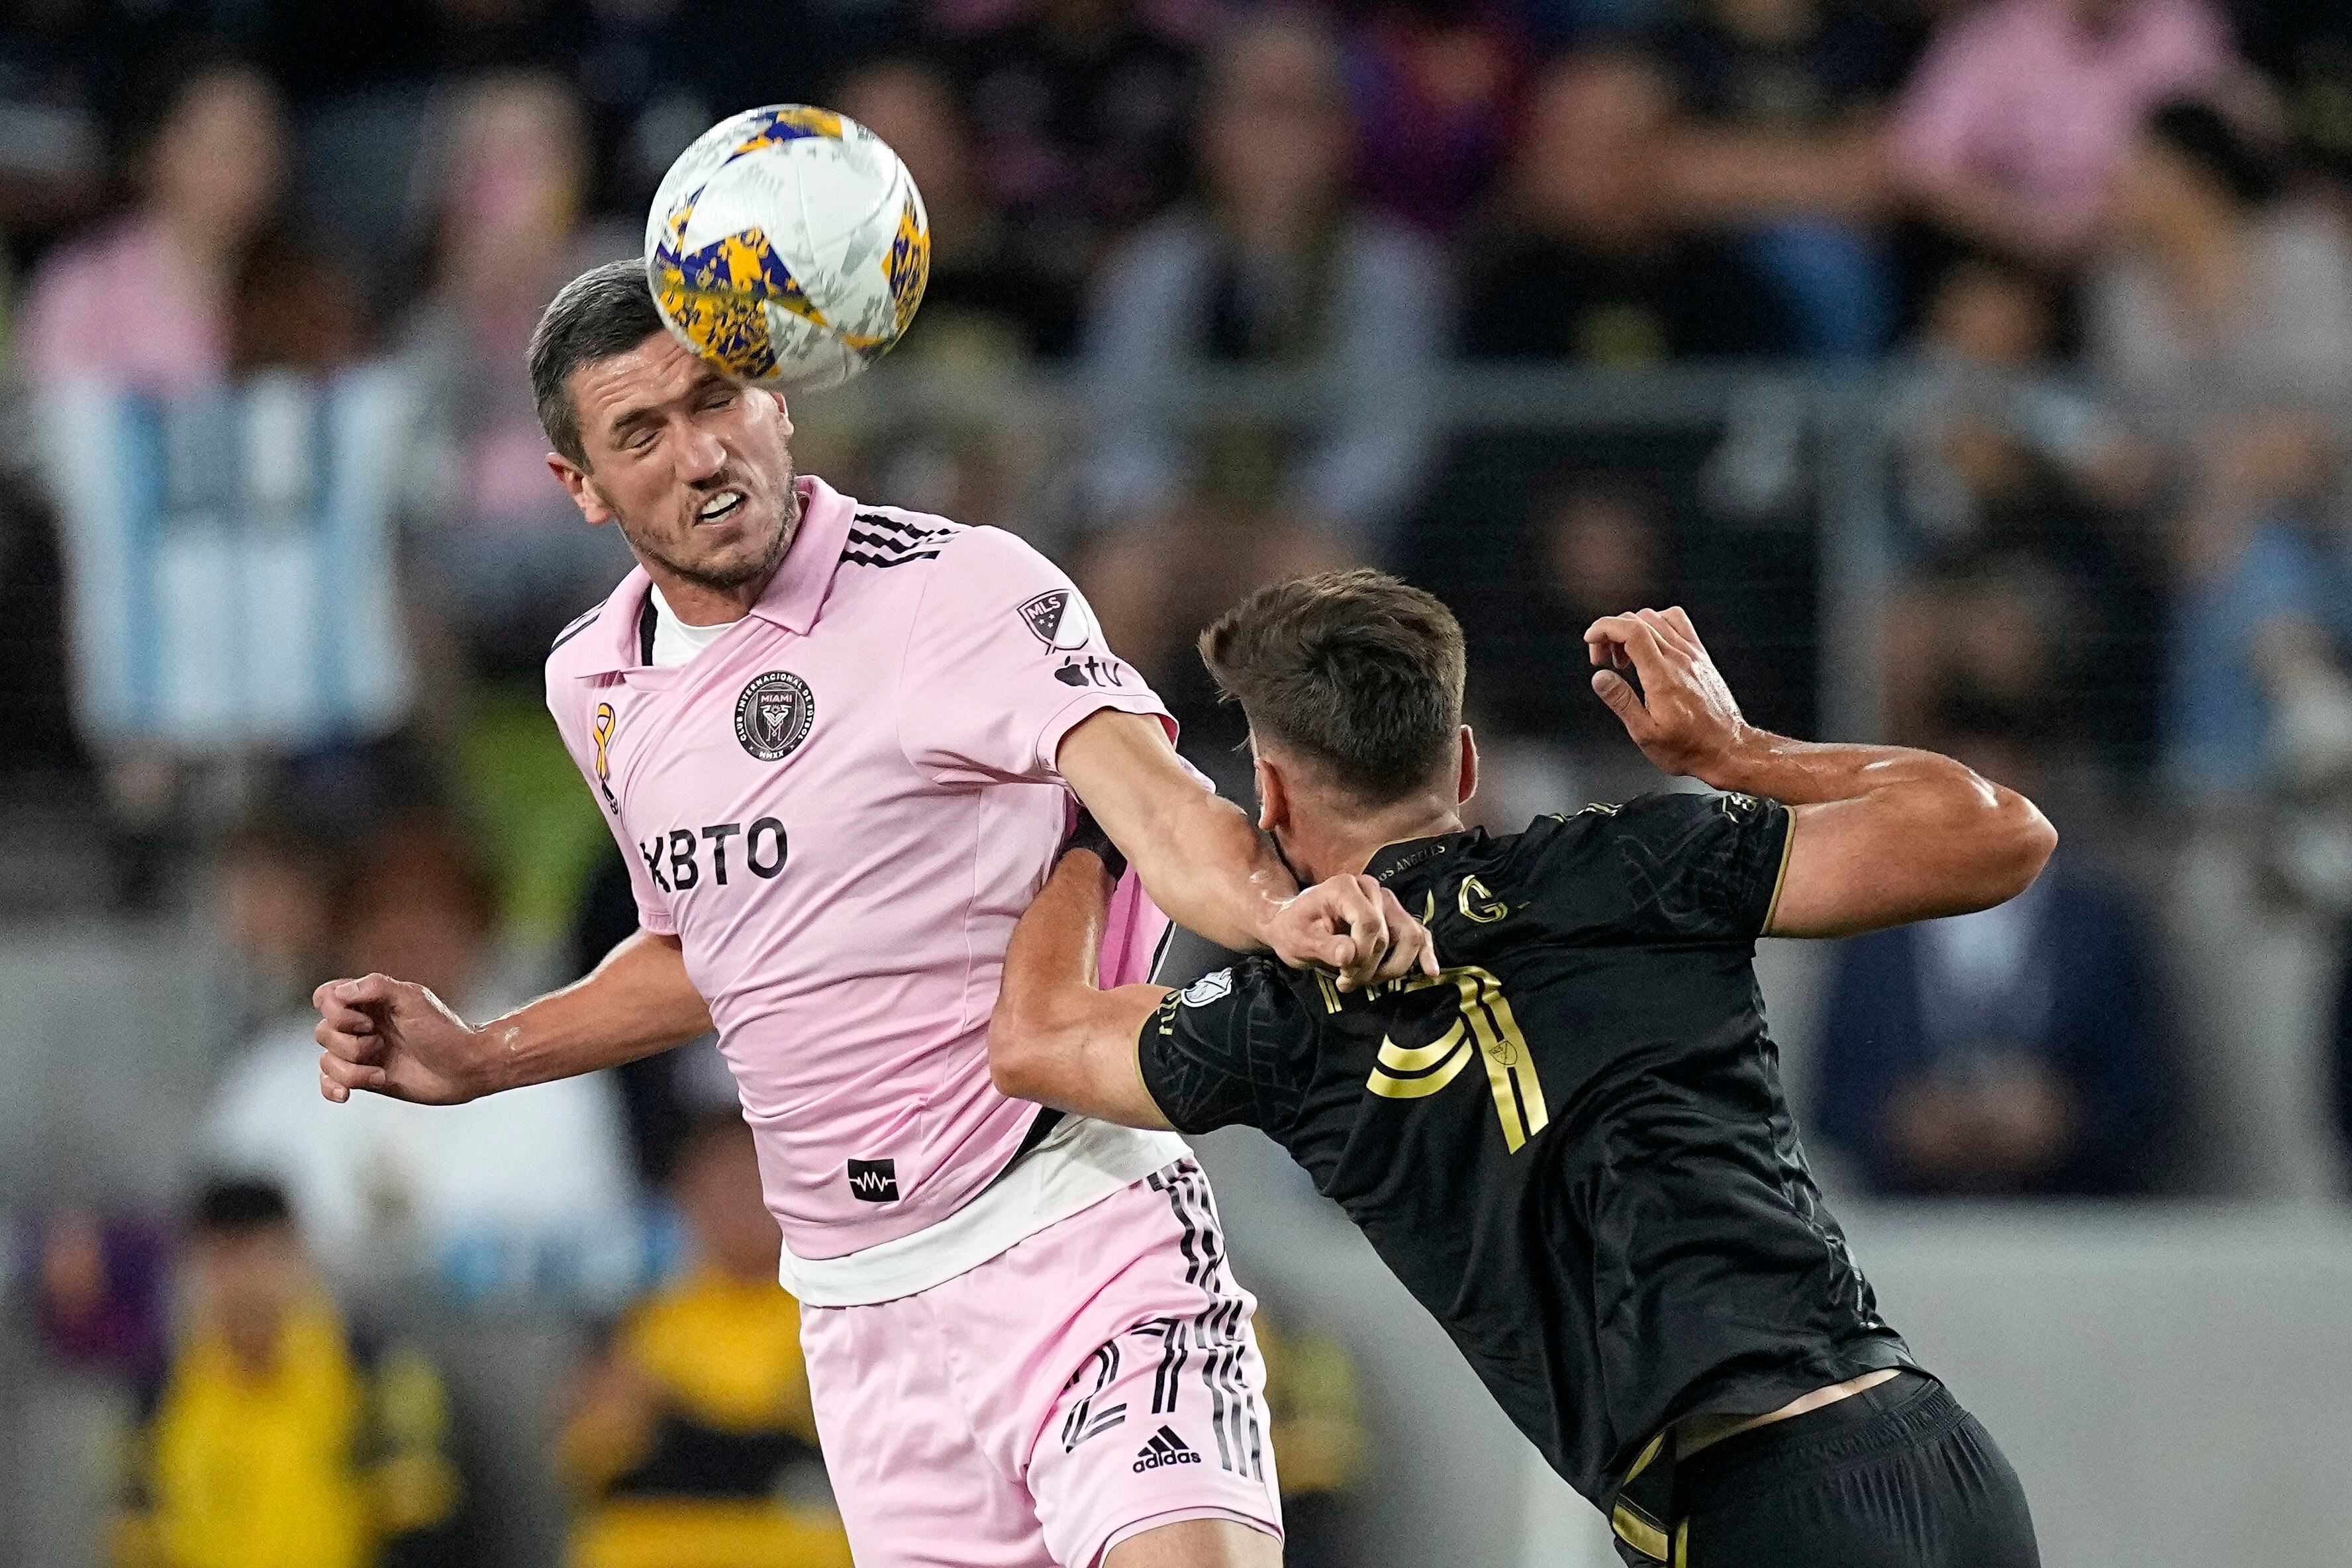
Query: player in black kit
{"points": [[1571, 1144]]}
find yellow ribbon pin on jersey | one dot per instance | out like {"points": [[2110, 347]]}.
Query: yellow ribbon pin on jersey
{"points": [[603, 730]]}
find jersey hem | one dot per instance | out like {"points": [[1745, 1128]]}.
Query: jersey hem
{"points": [[1754, 1393], [1080, 1164], [1122, 1534]]}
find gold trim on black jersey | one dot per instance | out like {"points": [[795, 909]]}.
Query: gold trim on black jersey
{"points": [[1781, 877], [1637, 1525]]}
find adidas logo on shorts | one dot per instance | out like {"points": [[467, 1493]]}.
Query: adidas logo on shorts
{"points": [[1164, 1448]]}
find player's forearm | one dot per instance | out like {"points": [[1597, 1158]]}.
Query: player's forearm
{"points": [[1213, 872], [1056, 1037], [1807, 773], [1198, 858], [1926, 834], [637, 1002], [1049, 968]]}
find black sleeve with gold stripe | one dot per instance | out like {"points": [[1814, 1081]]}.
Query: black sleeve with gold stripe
{"points": [[1698, 868]]}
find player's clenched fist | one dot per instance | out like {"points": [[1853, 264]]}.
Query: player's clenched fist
{"points": [[1683, 717], [395, 1038], [1354, 926]]}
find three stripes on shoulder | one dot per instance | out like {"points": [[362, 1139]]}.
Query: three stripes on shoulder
{"points": [[877, 539]]}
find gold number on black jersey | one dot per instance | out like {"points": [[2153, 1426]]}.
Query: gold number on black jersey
{"points": [[1486, 1023]]}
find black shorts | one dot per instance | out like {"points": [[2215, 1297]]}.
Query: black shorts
{"points": [[1896, 1476]]}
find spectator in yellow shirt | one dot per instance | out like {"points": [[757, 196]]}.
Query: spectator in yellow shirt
{"points": [[692, 1444], [277, 1438]]}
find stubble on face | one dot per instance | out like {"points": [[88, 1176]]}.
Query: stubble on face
{"points": [[724, 575]]}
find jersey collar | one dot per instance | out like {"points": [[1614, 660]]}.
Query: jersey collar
{"points": [[797, 591], [1390, 860], [792, 598]]}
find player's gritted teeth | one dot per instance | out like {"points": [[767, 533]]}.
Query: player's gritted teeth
{"points": [[720, 507]]}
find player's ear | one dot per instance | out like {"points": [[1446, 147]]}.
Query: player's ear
{"points": [[776, 404], [581, 487], [1467, 784], [1273, 795]]}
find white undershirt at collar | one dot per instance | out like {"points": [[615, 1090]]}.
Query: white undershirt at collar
{"points": [[675, 642]]}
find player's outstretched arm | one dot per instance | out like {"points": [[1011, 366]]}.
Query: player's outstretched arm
{"points": [[1055, 1038], [1202, 862], [1879, 835], [394, 1038]]}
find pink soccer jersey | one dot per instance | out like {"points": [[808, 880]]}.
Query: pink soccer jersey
{"points": [[841, 806]]}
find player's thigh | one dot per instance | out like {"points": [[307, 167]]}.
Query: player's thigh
{"points": [[915, 1485], [1197, 1544], [1164, 1425], [1162, 1417]]}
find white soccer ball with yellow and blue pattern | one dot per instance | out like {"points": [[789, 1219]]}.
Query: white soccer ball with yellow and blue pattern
{"points": [[788, 247]]}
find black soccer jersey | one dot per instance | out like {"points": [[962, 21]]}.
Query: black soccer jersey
{"points": [[1571, 1146]]}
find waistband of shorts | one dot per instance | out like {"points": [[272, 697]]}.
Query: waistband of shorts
{"points": [[1910, 1407], [1079, 1163]]}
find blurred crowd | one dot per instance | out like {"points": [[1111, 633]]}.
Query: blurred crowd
{"points": [[1980, 364]]}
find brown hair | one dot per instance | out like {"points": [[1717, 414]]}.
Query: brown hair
{"points": [[1355, 670], [602, 314]]}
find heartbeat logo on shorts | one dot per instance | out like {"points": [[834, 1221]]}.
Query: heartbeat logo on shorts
{"points": [[874, 1181], [773, 715], [1164, 1447]]}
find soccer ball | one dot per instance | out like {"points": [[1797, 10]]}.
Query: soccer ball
{"points": [[788, 247]]}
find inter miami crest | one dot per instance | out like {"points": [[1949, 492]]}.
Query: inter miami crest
{"points": [[1059, 620], [773, 715]]}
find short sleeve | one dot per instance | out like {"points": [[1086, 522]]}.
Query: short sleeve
{"points": [[1003, 659], [1698, 867], [577, 711], [1195, 1052]]}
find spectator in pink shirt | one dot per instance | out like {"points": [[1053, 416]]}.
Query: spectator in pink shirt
{"points": [[502, 556], [2013, 127], [145, 301]]}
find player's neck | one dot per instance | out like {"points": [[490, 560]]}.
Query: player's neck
{"points": [[1424, 817], [694, 603]]}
